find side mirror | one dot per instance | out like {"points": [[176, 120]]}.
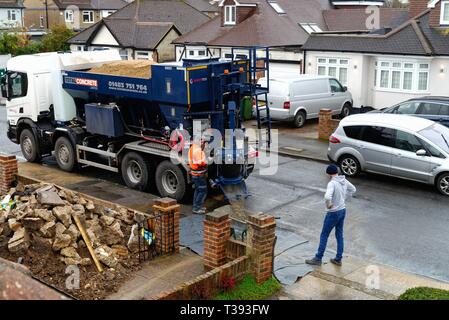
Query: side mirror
{"points": [[345, 88], [421, 153]]}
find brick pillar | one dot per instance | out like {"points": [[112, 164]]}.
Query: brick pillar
{"points": [[8, 171], [326, 125], [166, 225], [217, 231], [261, 237]]}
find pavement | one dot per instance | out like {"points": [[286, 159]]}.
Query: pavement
{"points": [[161, 274], [355, 280]]}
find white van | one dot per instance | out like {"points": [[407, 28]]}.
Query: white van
{"points": [[301, 97]]}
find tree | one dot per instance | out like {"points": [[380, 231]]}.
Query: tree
{"points": [[397, 3], [56, 39]]}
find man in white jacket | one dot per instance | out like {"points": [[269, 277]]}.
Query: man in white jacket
{"points": [[338, 189]]}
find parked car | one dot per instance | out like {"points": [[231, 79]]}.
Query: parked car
{"points": [[432, 108], [397, 145], [300, 98]]}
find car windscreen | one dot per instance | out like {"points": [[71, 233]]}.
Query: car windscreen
{"points": [[438, 134]]}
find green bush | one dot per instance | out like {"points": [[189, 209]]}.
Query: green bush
{"points": [[17, 44], [424, 293], [248, 289], [56, 39]]}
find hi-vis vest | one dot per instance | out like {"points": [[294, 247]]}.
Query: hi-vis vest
{"points": [[197, 160]]}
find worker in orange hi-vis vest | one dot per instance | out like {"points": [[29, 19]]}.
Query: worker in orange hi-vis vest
{"points": [[198, 170]]}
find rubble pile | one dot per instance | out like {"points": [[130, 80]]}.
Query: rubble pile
{"points": [[43, 213]]}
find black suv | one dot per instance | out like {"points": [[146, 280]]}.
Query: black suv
{"points": [[432, 108]]}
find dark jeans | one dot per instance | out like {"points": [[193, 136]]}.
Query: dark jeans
{"points": [[333, 220], [200, 191]]}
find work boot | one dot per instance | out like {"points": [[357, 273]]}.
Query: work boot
{"points": [[314, 262], [336, 262]]}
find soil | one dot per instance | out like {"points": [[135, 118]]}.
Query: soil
{"points": [[130, 68], [45, 266]]}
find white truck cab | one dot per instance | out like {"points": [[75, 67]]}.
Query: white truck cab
{"points": [[35, 98]]}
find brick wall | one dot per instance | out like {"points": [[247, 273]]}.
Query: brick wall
{"points": [[417, 6], [326, 124], [435, 16], [217, 231], [260, 249], [206, 285], [8, 172]]}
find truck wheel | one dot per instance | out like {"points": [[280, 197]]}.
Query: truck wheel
{"points": [[65, 154], [136, 171], [300, 119], [171, 181], [29, 146]]}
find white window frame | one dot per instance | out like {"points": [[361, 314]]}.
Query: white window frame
{"points": [[91, 16], [69, 16], [11, 13], [338, 65], [140, 54], [124, 54], [230, 12], [415, 69], [444, 6], [107, 13]]}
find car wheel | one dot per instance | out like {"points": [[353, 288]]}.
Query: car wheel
{"points": [[65, 154], [349, 166], [171, 181], [136, 171], [300, 119], [346, 110], [443, 184], [29, 146]]}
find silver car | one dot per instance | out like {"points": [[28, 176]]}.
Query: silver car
{"points": [[397, 145]]}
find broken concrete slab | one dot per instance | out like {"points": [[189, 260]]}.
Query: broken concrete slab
{"points": [[61, 241], [49, 198], [107, 256], [19, 242], [63, 213]]}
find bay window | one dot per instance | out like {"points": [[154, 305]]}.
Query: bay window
{"points": [[401, 76], [333, 67]]}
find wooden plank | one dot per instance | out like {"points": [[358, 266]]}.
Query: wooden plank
{"points": [[87, 242]]}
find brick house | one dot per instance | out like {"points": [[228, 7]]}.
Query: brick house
{"points": [[387, 66], [11, 14], [143, 29], [76, 14]]}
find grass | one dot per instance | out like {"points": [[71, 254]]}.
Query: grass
{"points": [[248, 289], [424, 293]]}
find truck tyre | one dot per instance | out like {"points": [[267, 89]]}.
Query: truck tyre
{"points": [[443, 184], [136, 171], [171, 181], [29, 146], [65, 154], [300, 119]]}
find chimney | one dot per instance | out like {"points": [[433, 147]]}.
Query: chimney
{"points": [[415, 7]]}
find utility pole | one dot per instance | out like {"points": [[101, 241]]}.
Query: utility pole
{"points": [[46, 14]]}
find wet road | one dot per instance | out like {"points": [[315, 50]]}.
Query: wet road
{"points": [[390, 221]]}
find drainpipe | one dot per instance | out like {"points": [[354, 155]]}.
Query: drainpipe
{"points": [[304, 62]]}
